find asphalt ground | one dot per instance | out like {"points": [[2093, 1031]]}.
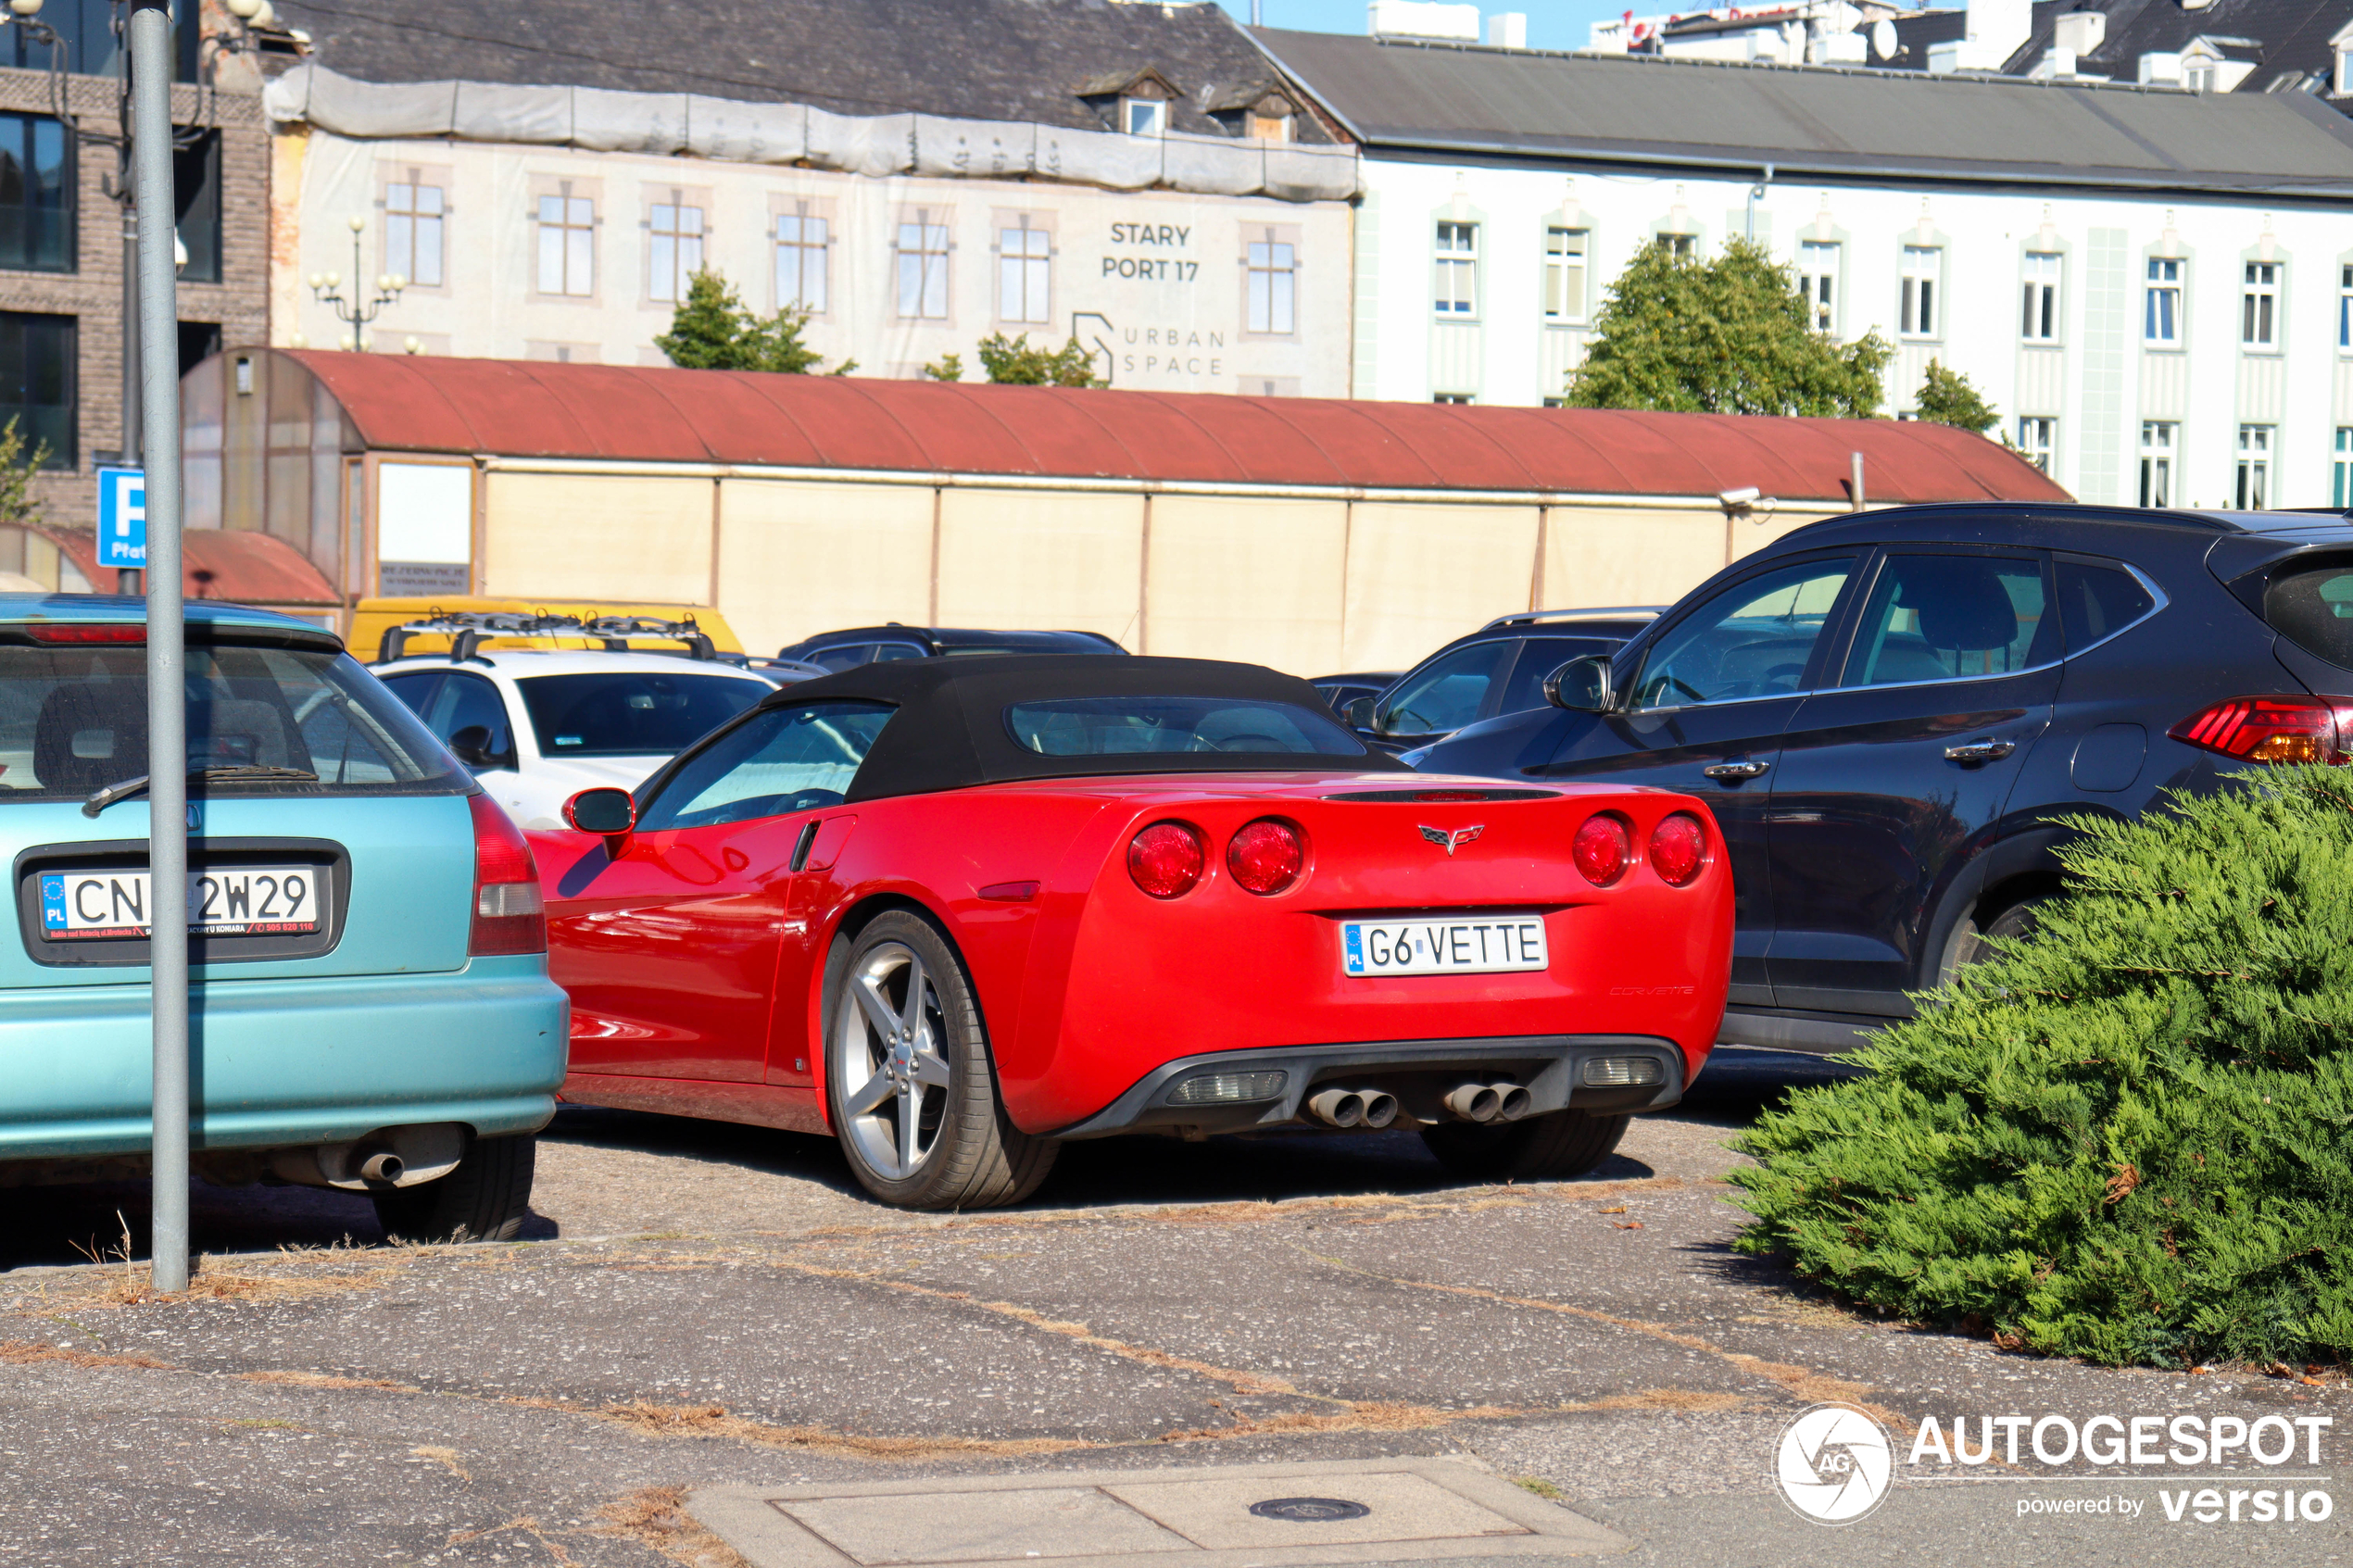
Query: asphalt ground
{"points": [[700, 1306]]}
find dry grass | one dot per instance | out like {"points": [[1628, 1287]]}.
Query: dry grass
{"points": [[657, 1517], [448, 1459], [1538, 1485], [24, 1352], [321, 1380], [714, 1420]]}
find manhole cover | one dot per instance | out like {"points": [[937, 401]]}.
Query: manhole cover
{"points": [[1315, 1510]]}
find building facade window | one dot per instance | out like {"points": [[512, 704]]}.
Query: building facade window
{"points": [[1923, 274], [676, 254], [2341, 470], [1565, 254], [2038, 439], [2040, 321], [38, 361], [2344, 307], [195, 184], [1457, 283], [567, 243], [2259, 305], [1817, 281], [801, 269], [1270, 126], [2255, 468], [2158, 438], [1271, 292], [36, 194], [1143, 117], [923, 270], [1025, 273], [2161, 315], [1456, 397], [1681, 246], [414, 214]]}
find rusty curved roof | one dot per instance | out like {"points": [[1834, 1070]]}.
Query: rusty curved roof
{"points": [[542, 408]]}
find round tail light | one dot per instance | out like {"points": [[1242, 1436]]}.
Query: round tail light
{"points": [[1165, 860], [1602, 849], [1678, 849], [1266, 855]]}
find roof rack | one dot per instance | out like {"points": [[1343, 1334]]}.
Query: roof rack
{"points": [[1603, 612], [468, 629]]}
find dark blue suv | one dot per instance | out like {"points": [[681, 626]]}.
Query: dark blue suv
{"points": [[1886, 713]]}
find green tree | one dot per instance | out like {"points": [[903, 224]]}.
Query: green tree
{"points": [[948, 367], [1011, 362], [712, 330], [1727, 336], [1947, 398], [2127, 1138], [18, 467]]}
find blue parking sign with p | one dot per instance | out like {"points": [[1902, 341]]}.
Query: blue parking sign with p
{"points": [[122, 519]]}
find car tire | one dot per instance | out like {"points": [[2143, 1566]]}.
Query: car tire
{"points": [[1972, 942], [485, 1198], [976, 1158], [1554, 1147]]}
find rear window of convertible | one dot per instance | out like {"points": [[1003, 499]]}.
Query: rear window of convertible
{"points": [[1121, 726]]}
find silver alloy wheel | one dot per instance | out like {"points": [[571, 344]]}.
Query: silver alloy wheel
{"points": [[894, 1080]]}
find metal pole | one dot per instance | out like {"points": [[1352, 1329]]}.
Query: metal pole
{"points": [[150, 29], [1857, 489], [131, 401]]}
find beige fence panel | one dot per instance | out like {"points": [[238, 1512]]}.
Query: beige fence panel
{"points": [[799, 559], [1420, 574], [1039, 558], [1628, 556], [1254, 580], [621, 537], [1750, 536]]}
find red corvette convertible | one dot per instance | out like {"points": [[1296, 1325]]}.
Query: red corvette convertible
{"points": [[956, 911]]}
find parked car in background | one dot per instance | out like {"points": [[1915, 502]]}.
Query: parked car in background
{"points": [[372, 999], [1498, 669], [371, 618], [537, 725], [885, 644], [1888, 713], [955, 911], [1342, 690]]}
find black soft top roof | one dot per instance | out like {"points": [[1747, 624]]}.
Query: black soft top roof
{"points": [[950, 730]]}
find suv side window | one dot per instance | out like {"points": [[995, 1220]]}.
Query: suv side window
{"points": [[469, 702], [2097, 601], [1956, 617], [886, 652], [841, 656], [1445, 693], [1539, 657], [1754, 639]]}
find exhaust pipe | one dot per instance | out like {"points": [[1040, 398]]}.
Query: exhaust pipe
{"points": [[383, 1167], [1475, 1102], [1517, 1103], [1341, 1108], [1381, 1108]]}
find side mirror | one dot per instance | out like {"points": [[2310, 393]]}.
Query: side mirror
{"points": [[1358, 714], [612, 812], [472, 746], [1581, 685]]}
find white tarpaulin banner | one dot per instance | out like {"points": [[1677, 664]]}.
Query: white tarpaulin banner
{"points": [[747, 132]]}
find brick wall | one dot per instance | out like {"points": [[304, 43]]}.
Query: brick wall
{"points": [[92, 292]]}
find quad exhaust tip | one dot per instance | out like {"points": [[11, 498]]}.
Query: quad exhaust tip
{"points": [[1490, 1102], [1354, 1107]]}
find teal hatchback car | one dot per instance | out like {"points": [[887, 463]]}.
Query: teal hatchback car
{"points": [[371, 1006]]}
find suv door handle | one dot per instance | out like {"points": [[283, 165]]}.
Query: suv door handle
{"points": [[1980, 750], [1732, 772]]}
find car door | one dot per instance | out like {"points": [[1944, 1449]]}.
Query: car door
{"points": [[1901, 763], [1701, 707], [671, 951], [1439, 698]]}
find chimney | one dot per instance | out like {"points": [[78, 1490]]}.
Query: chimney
{"points": [[1507, 30], [1996, 29], [1422, 19], [2080, 32]]}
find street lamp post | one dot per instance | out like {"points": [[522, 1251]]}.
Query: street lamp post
{"points": [[359, 310]]}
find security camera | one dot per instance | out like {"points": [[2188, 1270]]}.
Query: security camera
{"points": [[1733, 500]]}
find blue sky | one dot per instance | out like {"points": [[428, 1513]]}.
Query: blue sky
{"points": [[1552, 24]]}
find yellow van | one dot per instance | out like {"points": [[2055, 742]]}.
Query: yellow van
{"points": [[370, 619]]}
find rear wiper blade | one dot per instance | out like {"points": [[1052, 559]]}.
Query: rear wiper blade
{"points": [[100, 799]]}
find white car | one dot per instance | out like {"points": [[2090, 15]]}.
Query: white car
{"points": [[538, 727]]}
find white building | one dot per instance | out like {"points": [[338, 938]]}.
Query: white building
{"points": [[1136, 177], [2155, 287]]}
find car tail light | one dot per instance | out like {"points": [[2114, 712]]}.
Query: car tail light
{"points": [[2268, 729], [508, 915], [1679, 848], [1165, 860], [1602, 849], [1266, 855]]}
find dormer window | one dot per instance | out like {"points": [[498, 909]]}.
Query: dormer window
{"points": [[2341, 79], [2199, 77], [1143, 117], [1277, 127]]}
